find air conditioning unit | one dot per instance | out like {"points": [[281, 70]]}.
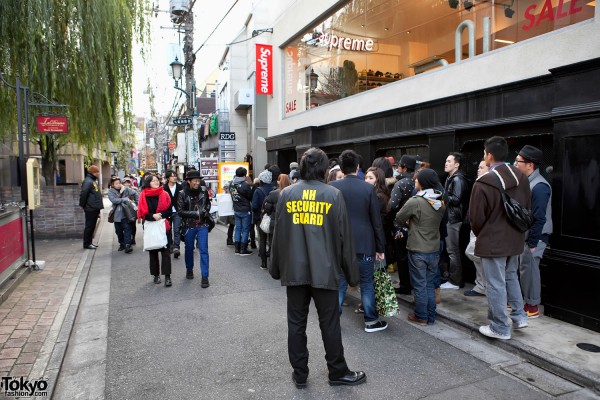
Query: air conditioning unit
{"points": [[244, 99]]}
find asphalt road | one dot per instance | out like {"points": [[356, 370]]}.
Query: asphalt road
{"points": [[230, 342]]}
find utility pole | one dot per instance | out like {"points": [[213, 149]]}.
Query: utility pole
{"points": [[193, 144]]}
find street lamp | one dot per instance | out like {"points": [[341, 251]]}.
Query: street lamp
{"points": [[314, 80], [177, 68]]}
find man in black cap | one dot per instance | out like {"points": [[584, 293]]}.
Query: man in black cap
{"points": [[193, 206], [401, 192], [425, 211], [528, 161]]}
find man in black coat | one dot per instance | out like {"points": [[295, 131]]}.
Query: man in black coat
{"points": [[90, 199], [313, 216], [367, 232], [172, 187]]}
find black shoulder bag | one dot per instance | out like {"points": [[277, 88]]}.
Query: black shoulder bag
{"points": [[519, 216]]}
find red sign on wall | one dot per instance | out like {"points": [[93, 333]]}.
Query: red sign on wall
{"points": [[11, 243], [264, 69], [52, 124]]}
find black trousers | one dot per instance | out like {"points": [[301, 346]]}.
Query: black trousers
{"points": [[402, 262], [326, 303], [165, 264], [91, 219], [230, 232], [262, 245]]}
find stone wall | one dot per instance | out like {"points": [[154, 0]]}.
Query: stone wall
{"points": [[59, 215]]}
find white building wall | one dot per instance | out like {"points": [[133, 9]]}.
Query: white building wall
{"points": [[523, 60]]}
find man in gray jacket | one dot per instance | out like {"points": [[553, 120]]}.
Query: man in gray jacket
{"points": [[119, 196], [313, 216]]}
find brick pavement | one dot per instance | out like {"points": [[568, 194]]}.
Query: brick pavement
{"points": [[32, 316]]}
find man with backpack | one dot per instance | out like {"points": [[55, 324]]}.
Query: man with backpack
{"points": [[499, 243]]}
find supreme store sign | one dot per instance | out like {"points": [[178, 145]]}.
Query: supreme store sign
{"points": [[52, 124], [264, 69]]}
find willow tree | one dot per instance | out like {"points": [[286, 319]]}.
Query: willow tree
{"points": [[75, 52]]}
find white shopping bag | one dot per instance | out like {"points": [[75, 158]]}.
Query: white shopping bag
{"points": [[155, 235], [225, 204]]}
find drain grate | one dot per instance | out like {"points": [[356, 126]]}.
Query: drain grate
{"points": [[589, 347]]}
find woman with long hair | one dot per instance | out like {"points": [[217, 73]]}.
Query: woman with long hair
{"points": [[269, 206], [155, 205]]}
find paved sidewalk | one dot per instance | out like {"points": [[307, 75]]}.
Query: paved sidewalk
{"points": [[547, 342], [36, 318]]}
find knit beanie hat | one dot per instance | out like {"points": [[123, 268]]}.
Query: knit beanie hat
{"points": [[93, 169], [265, 176], [428, 179]]}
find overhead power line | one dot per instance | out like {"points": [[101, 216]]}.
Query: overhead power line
{"points": [[220, 22]]}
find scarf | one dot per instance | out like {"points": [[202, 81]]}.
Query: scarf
{"points": [[164, 201], [432, 197]]}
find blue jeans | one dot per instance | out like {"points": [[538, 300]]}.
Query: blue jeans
{"points": [[502, 287], [123, 230], [242, 226], [422, 267], [201, 234], [366, 266]]}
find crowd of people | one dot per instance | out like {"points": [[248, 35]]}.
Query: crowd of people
{"points": [[342, 219]]}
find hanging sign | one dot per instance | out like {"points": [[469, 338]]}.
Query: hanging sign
{"points": [[52, 124], [264, 69]]}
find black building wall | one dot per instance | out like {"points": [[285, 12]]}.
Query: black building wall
{"points": [[558, 112]]}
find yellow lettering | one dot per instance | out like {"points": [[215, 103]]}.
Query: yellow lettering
{"points": [[313, 219], [295, 219], [328, 206], [294, 206], [305, 195], [289, 206], [313, 195], [312, 207], [320, 220]]}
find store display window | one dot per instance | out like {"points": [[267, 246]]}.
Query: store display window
{"points": [[370, 43]]}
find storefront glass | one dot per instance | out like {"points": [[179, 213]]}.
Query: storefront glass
{"points": [[370, 43]]}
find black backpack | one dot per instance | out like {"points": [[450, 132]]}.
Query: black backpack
{"points": [[520, 217]]}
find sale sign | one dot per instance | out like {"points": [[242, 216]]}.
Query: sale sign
{"points": [[264, 69], [52, 124]]}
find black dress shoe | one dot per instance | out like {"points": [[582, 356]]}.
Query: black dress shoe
{"points": [[350, 379], [189, 274], [299, 385], [176, 253]]}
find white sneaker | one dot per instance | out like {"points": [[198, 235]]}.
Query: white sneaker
{"points": [[448, 285], [487, 331], [520, 325]]}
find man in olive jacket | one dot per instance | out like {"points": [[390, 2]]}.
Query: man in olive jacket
{"points": [[90, 199], [313, 216], [499, 243]]}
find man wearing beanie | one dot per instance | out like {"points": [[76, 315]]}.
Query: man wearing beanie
{"points": [[528, 162], [262, 190], [90, 199], [424, 212]]}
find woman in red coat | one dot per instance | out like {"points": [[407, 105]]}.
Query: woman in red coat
{"points": [[155, 205]]}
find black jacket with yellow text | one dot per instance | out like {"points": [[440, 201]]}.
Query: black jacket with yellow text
{"points": [[312, 216]]}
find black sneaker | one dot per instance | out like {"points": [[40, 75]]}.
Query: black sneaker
{"points": [[121, 248], [230, 242], [204, 283], [128, 249], [263, 266], [378, 326], [157, 279], [91, 247], [189, 274], [168, 281], [176, 253]]}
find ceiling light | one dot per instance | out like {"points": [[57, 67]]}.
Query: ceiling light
{"points": [[468, 5], [509, 12], [453, 3], [362, 25], [386, 29], [591, 3], [504, 41]]}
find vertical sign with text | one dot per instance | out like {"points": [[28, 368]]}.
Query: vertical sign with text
{"points": [[295, 99], [264, 69]]}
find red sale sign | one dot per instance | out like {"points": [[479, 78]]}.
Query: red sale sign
{"points": [[264, 69]]}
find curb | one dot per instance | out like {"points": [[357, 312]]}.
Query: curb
{"points": [[539, 358]]}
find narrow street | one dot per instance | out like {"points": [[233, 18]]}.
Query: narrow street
{"points": [[229, 341]]}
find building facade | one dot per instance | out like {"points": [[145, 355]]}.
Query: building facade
{"points": [[429, 77]]}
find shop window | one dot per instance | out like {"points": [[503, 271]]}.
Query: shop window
{"points": [[371, 43], [581, 187]]}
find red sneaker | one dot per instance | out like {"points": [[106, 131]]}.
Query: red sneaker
{"points": [[531, 311]]}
